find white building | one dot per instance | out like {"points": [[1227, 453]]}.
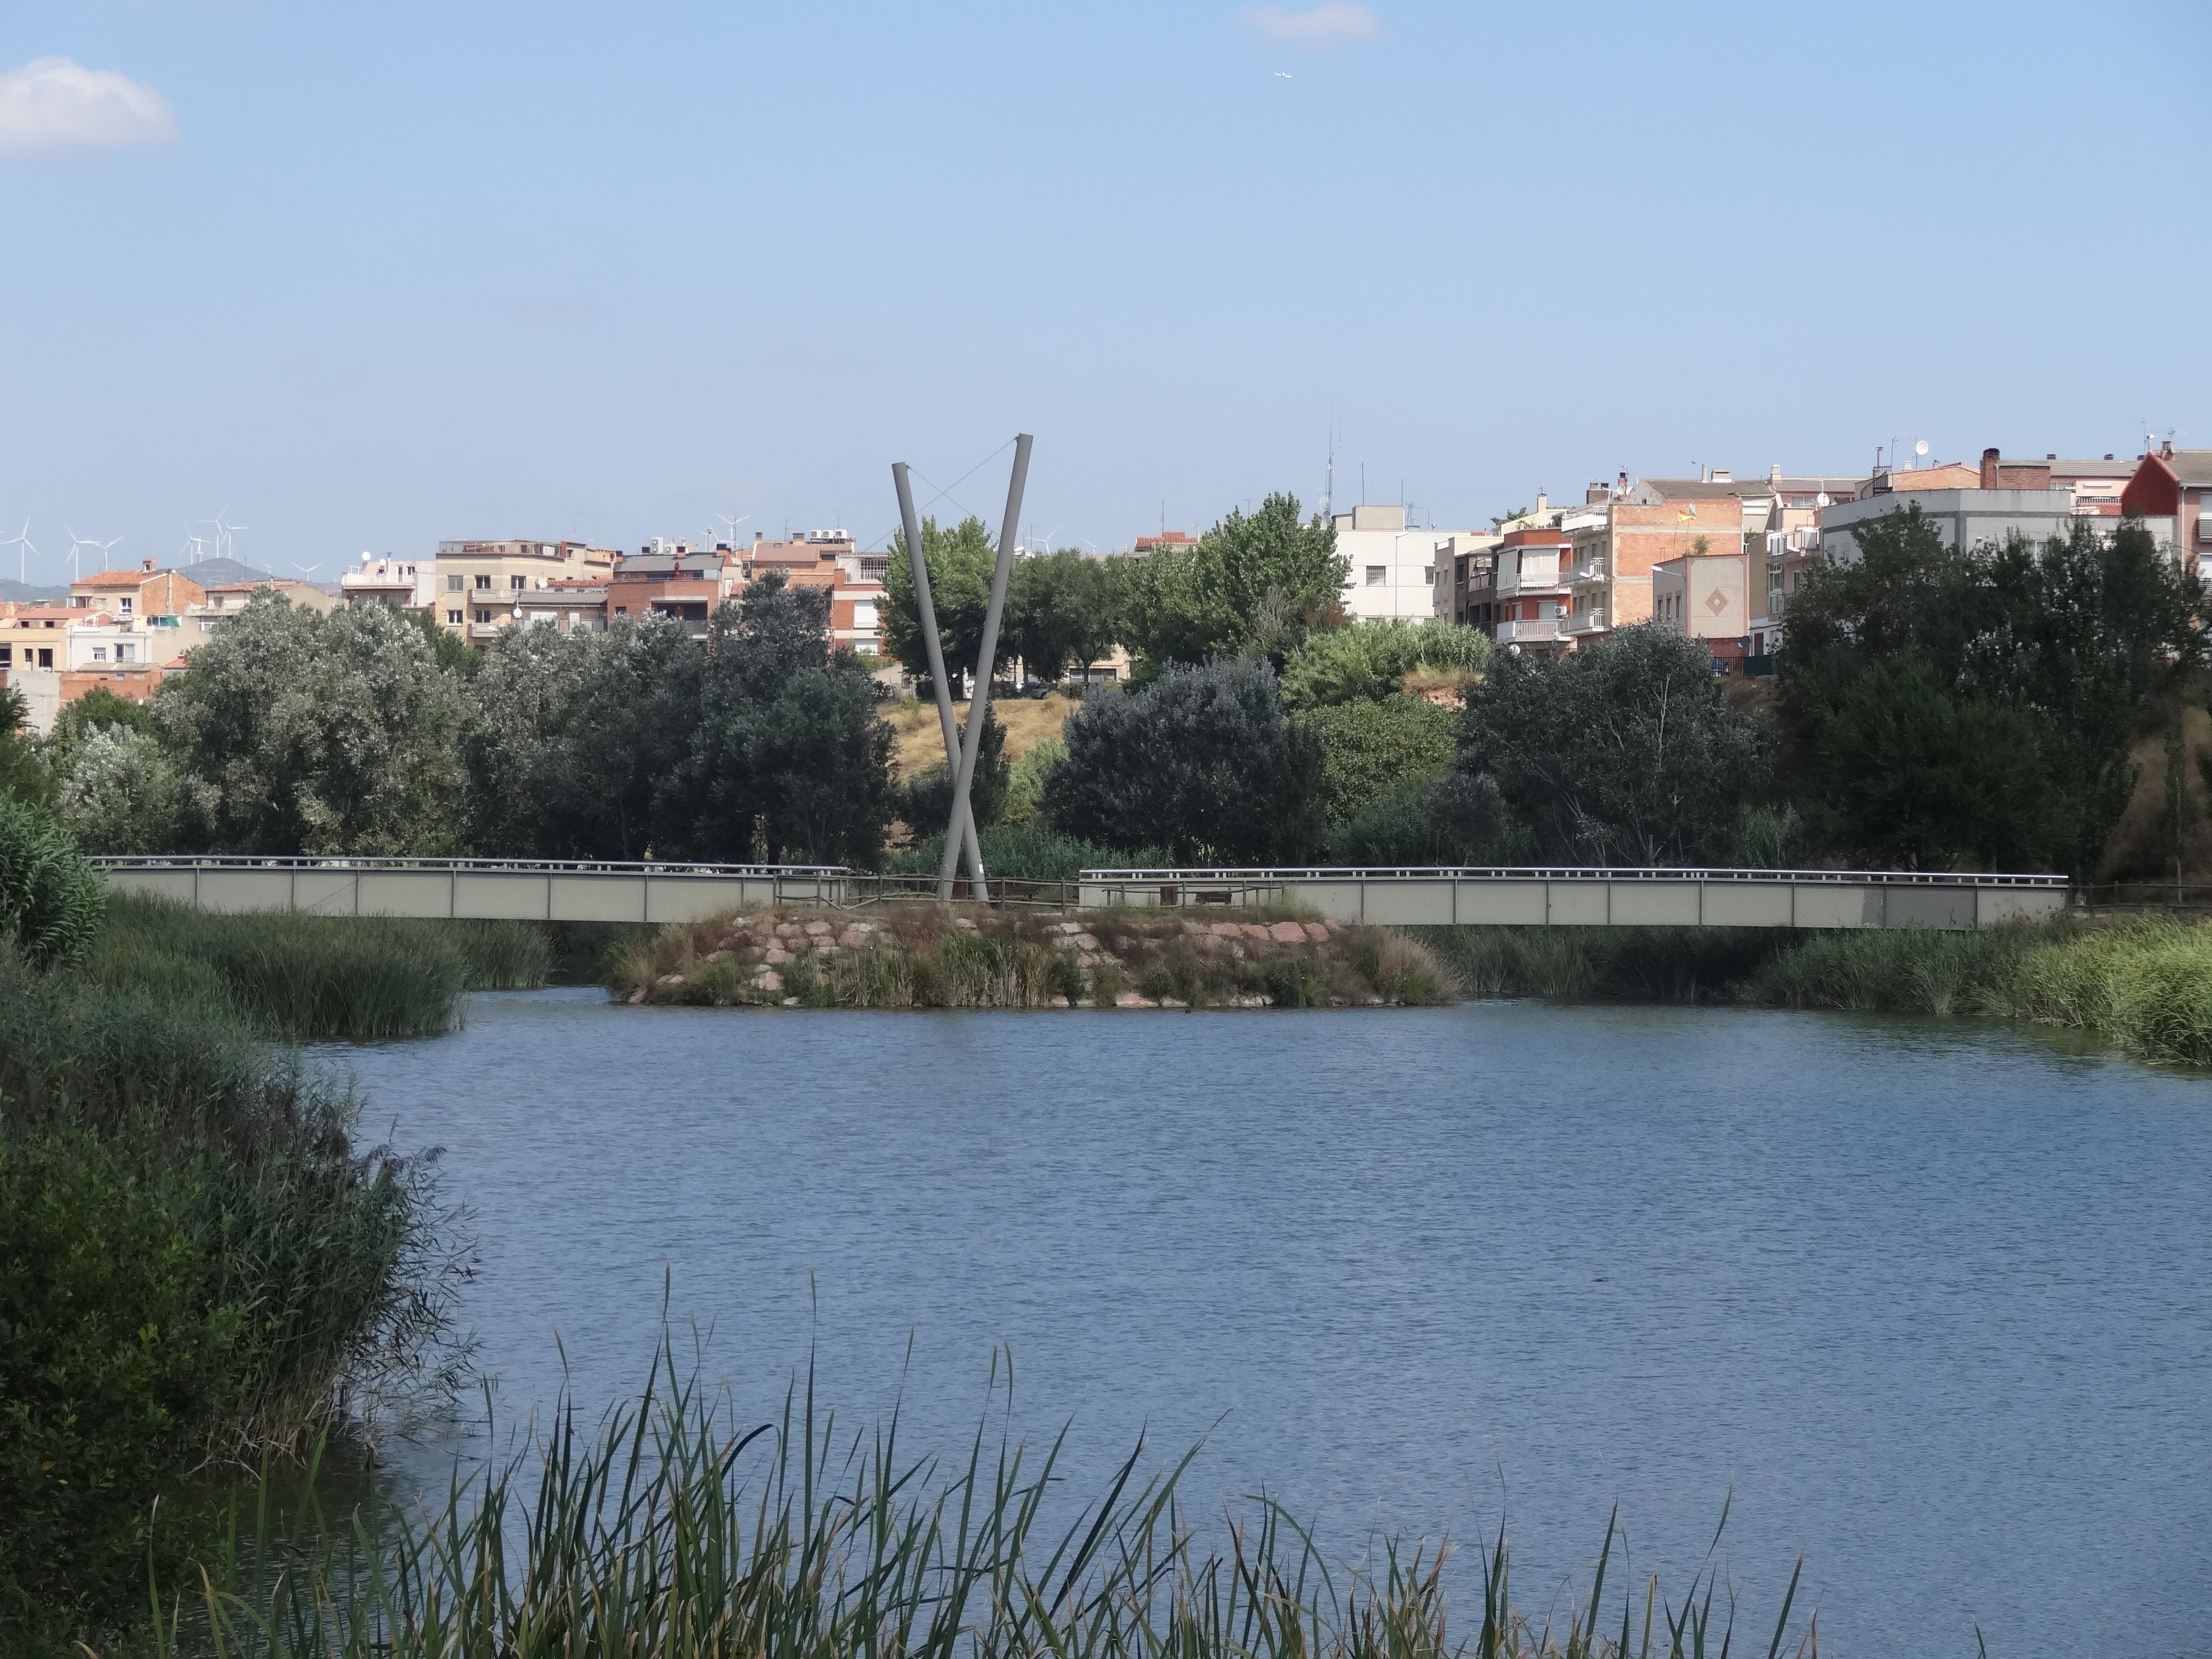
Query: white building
{"points": [[1393, 569], [404, 584]]}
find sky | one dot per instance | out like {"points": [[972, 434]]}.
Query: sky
{"points": [[366, 277]]}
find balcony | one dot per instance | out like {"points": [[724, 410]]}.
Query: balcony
{"points": [[1584, 623], [1524, 632]]}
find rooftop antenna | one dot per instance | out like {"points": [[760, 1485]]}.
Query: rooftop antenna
{"points": [[1328, 485], [21, 541]]}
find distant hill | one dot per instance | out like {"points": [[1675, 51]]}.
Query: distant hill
{"points": [[31, 593], [221, 573]]}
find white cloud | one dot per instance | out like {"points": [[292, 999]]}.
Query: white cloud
{"points": [[1332, 23], [53, 103]]}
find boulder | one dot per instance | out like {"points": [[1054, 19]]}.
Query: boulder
{"points": [[817, 929], [636, 996], [1317, 932], [775, 953], [1288, 932], [767, 979], [668, 981], [1134, 999]]}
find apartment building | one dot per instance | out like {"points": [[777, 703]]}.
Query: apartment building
{"points": [[566, 605], [147, 594], [401, 584], [1522, 598], [476, 582], [676, 582], [2004, 500], [1394, 569], [826, 559], [226, 599], [1624, 532], [1707, 596], [34, 636], [1464, 566]]}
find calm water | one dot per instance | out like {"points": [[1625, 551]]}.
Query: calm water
{"points": [[1931, 1298]]}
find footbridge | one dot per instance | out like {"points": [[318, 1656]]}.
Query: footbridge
{"points": [[537, 891], [506, 889], [1571, 898]]}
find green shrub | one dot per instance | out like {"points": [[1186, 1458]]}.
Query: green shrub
{"points": [[50, 899], [1369, 750], [1369, 660], [196, 1263]]}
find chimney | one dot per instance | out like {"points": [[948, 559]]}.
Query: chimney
{"points": [[1595, 491], [1988, 469], [147, 566], [2166, 449], [1620, 485], [1541, 504], [1722, 475], [1774, 473]]}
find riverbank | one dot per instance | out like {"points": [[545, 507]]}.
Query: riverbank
{"points": [[2142, 985], [203, 1264], [922, 956]]}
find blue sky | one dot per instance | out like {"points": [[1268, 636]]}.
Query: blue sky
{"points": [[386, 274]]}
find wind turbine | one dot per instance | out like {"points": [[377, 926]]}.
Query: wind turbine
{"points": [[731, 527], [223, 533], [304, 569], [192, 550], [78, 543], [21, 541]]}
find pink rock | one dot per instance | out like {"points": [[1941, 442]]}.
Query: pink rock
{"points": [[1287, 933], [817, 928], [1255, 929], [1317, 932], [1133, 999], [775, 954], [768, 980], [853, 939], [1228, 929]]}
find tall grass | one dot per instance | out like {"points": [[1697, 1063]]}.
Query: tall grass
{"points": [[2144, 985], [678, 1530], [302, 978]]}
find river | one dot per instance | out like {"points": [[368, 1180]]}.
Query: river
{"points": [[1931, 1299]]}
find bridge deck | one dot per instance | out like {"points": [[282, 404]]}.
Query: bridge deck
{"points": [[539, 892]]}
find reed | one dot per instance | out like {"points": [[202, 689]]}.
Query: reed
{"points": [[679, 1530], [307, 978]]}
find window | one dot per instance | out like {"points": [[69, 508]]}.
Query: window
{"points": [[864, 613], [99, 652], [453, 586], [125, 652], [1430, 575], [1377, 575], [484, 582], [7, 656], [45, 657], [483, 616], [454, 616], [517, 583], [126, 607]]}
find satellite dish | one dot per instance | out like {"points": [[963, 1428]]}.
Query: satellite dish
{"points": [[1820, 500], [1921, 448]]}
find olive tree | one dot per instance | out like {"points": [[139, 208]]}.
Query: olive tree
{"points": [[300, 732]]}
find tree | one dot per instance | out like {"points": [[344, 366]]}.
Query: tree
{"points": [[1369, 660], [1060, 608], [1201, 761], [1267, 573], [1623, 753], [2079, 633], [98, 707], [960, 562], [1910, 777], [298, 732], [1373, 749], [789, 759], [120, 793], [573, 734]]}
